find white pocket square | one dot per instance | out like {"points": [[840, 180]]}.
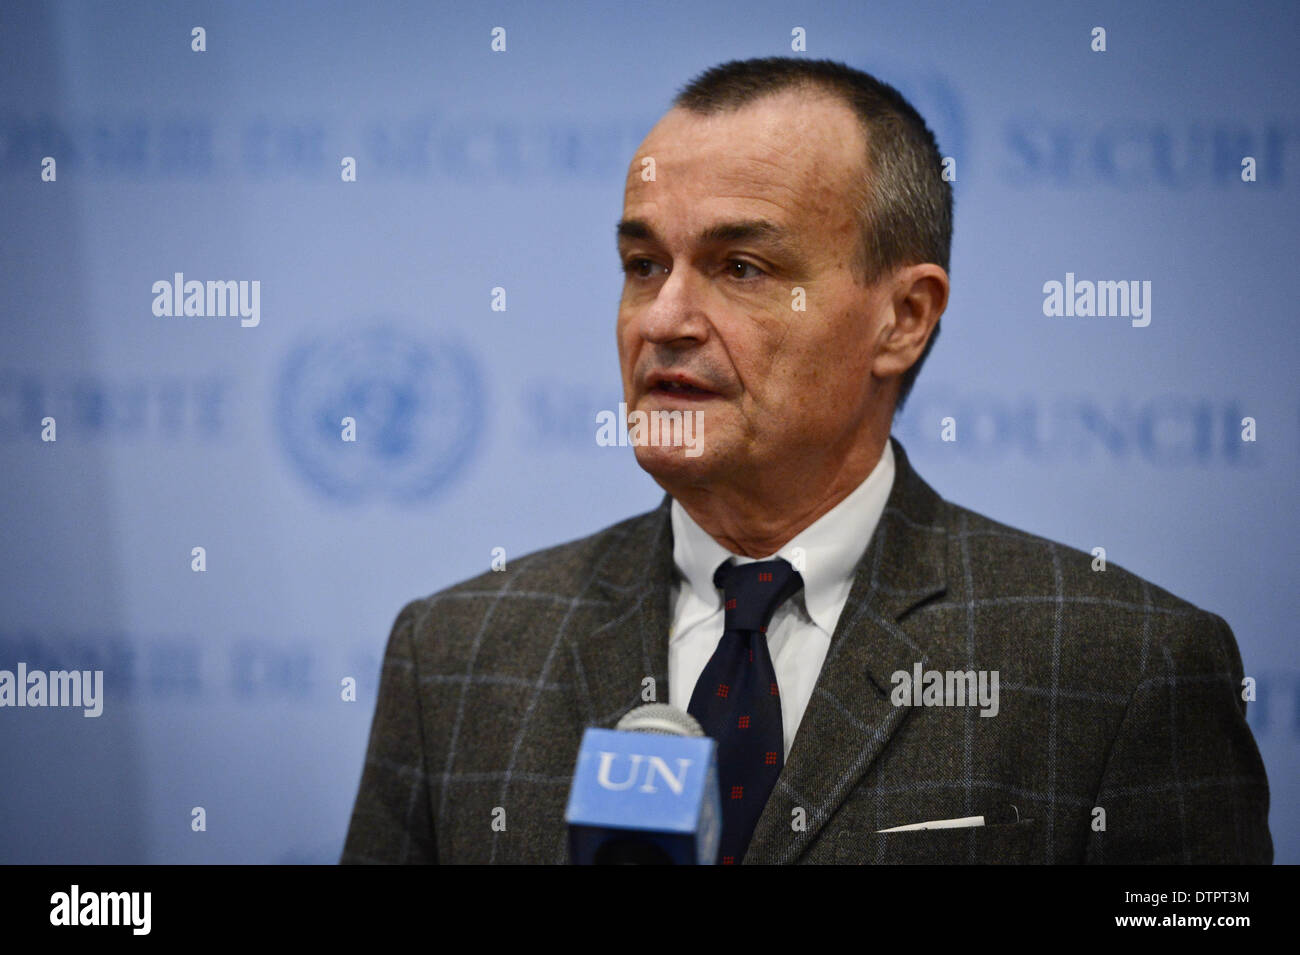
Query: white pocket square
{"points": [[963, 823]]}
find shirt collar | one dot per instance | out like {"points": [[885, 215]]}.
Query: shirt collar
{"points": [[831, 547]]}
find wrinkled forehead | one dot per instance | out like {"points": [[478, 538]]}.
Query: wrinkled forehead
{"points": [[802, 152]]}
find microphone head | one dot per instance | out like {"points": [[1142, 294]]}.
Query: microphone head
{"points": [[660, 718], [646, 792]]}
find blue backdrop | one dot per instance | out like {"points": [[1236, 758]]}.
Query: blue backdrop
{"points": [[479, 169]]}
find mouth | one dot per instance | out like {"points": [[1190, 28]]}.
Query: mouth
{"points": [[684, 392], [679, 387]]}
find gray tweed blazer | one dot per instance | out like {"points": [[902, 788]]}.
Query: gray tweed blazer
{"points": [[1120, 735]]}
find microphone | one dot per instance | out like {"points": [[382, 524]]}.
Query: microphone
{"points": [[645, 793]]}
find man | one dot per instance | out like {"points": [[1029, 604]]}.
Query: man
{"points": [[785, 240]]}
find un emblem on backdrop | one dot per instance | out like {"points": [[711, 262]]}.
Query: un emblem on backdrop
{"points": [[417, 406]]}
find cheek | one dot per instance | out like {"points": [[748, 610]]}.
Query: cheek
{"points": [[804, 350], [630, 347], [848, 338], [621, 333], [823, 364]]}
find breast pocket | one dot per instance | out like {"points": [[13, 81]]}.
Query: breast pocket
{"points": [[1010, 844]]}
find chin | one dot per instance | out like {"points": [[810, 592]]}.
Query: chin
{"points": [[673, 465]]}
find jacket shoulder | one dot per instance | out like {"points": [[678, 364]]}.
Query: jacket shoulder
{"points": [[1109, 620], [1016, 560], [561, 573]]}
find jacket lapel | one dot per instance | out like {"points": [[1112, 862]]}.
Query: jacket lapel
{"points": [[850, 718], [616, 649]]}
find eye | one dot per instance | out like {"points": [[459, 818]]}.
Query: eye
{"points": [[638, 268], [736, 270]]}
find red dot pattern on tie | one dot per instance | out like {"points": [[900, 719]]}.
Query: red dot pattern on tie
{"points": [[729, 702]]}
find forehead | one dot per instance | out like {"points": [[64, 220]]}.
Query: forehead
{"points": [[790, 156]]}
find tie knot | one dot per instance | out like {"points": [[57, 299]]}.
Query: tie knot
{"points": [[752, 592]]}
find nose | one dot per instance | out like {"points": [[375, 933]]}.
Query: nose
{"points": [[676, 316]]}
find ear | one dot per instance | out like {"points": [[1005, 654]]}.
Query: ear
{"points": [[919, 296]]}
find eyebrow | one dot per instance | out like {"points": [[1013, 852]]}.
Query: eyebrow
{"points": [[754, 230]]}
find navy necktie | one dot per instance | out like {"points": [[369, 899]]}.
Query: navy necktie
{"points": [[737, 700]]}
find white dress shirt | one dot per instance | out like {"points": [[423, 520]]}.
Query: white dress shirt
{"points": [[799, 635]]}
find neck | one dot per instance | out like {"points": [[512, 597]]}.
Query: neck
{"points": [[761, 513]]}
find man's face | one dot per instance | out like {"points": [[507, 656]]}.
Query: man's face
{"points": [[746, 208]]}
